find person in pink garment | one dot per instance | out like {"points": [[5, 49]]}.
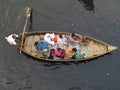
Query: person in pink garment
{"points": [[59, 53]]}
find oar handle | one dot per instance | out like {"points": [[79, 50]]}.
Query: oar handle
{"points": [[29, 10]]}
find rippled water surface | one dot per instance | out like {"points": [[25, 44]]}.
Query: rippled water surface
{"points": [[96, 18]]}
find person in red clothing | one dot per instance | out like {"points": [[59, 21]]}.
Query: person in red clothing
{"points": [[59, 53]]}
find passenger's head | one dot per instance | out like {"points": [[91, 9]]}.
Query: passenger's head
{"points": [[59, 49], [36, 43], [73, 35], [14, 36], [61, 36], [74, 50]]}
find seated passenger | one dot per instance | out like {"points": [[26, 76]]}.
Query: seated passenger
{"points": [[40, 45], [52, 53], [63, 39], [50, 38], [46, 53], [78, 54], [75, 39], [70, 52], [59, 53], [62, 42]]}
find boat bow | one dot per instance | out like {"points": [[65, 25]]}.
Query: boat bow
{"points": [[111, 48]]}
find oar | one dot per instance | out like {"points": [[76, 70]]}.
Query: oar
{"points": [[28, 15]]}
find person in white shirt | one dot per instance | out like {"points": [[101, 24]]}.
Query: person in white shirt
{"points": [[11, 39], [62, 41], [49, 38]]}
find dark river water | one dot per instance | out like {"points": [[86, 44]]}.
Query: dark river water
{"points": [[96, 18]]}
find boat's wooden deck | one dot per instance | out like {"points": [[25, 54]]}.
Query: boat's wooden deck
{"points": [[29, 45], [96, 48]]}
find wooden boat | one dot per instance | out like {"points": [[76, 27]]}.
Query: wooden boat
{"points": [[97, 47]]}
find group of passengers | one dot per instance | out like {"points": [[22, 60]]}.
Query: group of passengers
{"points": [[56, 46]]}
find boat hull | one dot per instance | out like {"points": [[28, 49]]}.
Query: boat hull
{"points": [[97, 48]]}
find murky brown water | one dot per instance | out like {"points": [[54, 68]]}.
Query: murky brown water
{"points": [[97, 18]]}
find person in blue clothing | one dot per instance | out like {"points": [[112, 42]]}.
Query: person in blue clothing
{"points": [[40, 45]]}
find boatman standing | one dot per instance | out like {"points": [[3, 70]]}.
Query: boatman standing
{"points": [[13, 39]]}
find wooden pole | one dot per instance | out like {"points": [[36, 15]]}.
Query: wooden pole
{"points": [[24, 29], [30, 27]]}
